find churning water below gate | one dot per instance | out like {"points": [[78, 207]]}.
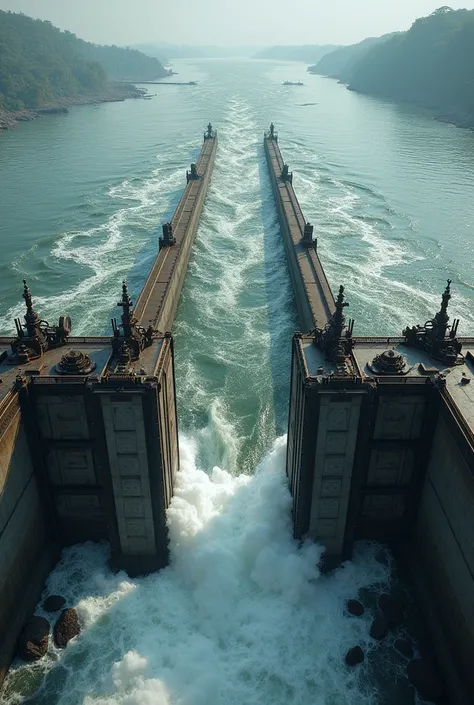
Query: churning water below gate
{"points": [[241, 615]]}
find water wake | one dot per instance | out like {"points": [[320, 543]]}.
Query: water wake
{"points": [[370, 247], [236, 308], [121, 246]]}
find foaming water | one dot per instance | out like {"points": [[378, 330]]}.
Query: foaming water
{"points": [[237, 306], [241, 615]]}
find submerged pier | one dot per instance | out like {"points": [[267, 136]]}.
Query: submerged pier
{"points": [[381, 439], [88, 428]]}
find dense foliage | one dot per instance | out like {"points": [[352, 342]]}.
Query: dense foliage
{"points": [[308, 53], [122, 64], [340, 62], [39, 64], [432, 64]]}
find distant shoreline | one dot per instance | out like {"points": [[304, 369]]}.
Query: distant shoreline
{"points": [[459, 119], [115, 93]]}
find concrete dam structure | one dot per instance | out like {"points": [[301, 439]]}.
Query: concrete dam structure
{"points": [[88, 428], [380, 433], [381, 439]]}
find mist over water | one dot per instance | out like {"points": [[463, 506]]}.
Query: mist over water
{"points": [[241, 615]]}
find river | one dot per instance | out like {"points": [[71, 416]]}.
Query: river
{"points": [[241, 615]]}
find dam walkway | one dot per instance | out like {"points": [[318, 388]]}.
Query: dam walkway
{"points": [[157, 303], [313, 294]]}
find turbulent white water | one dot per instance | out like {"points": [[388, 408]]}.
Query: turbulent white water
{"points": [[242, 614]]}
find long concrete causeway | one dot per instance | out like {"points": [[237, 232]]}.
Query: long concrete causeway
{"points": [[156, 305], [313, 294]]}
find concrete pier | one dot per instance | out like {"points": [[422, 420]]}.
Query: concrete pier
{"points": [[88, 428], [314, 298], [157, 303], [381, 441]]}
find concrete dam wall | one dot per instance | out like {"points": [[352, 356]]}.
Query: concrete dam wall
{"points": [[26, 553], [381, 440], [89, 429]]}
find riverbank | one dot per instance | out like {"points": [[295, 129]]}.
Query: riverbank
{"points": [[451, 117], [115, 93]]}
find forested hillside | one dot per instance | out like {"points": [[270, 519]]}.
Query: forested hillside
{"points": [[432, 65], [122, 64], [39, 64], [340, 62]]}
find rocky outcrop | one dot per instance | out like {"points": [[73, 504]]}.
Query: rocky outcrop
{"points": [[354, 656], [424, 675], [379, 628], [355, 608], [34, 639], [9, 120], [54, 603], [114, 93], [66, 628], [57, 110]]}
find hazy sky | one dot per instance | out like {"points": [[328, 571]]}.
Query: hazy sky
{"points": [[234, 22]]}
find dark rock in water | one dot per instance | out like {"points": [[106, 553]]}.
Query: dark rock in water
{"points": [[66, 628], [355, 607], [354, 656], [33, 642], [379, 628], [423, 674], [404, 647], [392, 610], [53, 603]]}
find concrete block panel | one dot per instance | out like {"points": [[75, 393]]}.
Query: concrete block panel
{"points": [[62, 417], [400, 417]]}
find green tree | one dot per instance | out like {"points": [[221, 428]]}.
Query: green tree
{"points": [[40, 64]]}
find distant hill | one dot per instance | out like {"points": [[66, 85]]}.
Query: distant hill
{"points": [[41, 65], [340, 62], [168, 52], [431, 65], [308, 54], [122, 64]]}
